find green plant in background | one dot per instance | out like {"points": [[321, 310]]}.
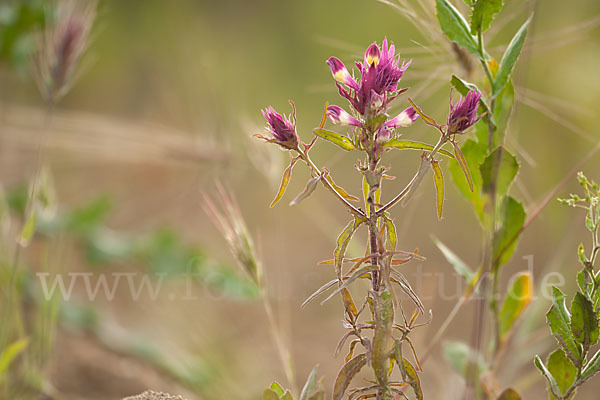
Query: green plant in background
{"points": [[372, 325], [576, 329]]}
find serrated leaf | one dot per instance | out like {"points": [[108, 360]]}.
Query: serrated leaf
{"points": [[483, 14], [310, 187], [562, 369], [498, 171], [10, 353], [475, 154], [285, 180], [413, 145], [517, 299], [313, 389], [455, 26], [509, 394], [584, 323], [438, 179], [509, 59], [553, 386], [460, 267], [384, 318], [335, 138], [559, 320], [346, 374], [512, 217], [342, 243]]}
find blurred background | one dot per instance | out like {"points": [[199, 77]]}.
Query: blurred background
{"points": [[164, 106]]}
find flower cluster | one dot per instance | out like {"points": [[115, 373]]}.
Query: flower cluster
{"points": [[463, 113], [281, 128]]}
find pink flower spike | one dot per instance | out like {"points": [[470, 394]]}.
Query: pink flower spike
{"points": [[339, 116], [340, 73]]}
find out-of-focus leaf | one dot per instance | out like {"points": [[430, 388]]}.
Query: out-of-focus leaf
{"points": [[509, 394], [461, 356], [553, 386], [342, 244], [384, 318], [459, 265], [413, 145], [512, 217], [559, 320], [28, 229], [562, 369], [462, 162], [584, 323], [502, 110], [270, 394], [313, 388], [346, 374], [285, 180], [438, 179], [483, 14], [335, 138], [475, 154], [498, 169], [10, 353], [509, 59], [455, 26], [517, 299], [276, 387], [310, 187]]}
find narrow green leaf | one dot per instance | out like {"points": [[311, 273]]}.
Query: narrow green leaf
{"points": [[335, 138], [28, 229], [428, 120], [285, 180], [503, 107], [276, 387], [498, 171], [509, 59], [413, 379], [559, 320], [483, 14], [392, 238], [584, 323], [562, 369], [455, 26], [310, 187], [11, 353], [459, 265], [342, 243], [413, 145], [517, 299], [462, 162], [512, 217], [341, 190], [313, 388], [553, 386], [346, 374], [592, 367], [438, 179], [509, 394]]}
